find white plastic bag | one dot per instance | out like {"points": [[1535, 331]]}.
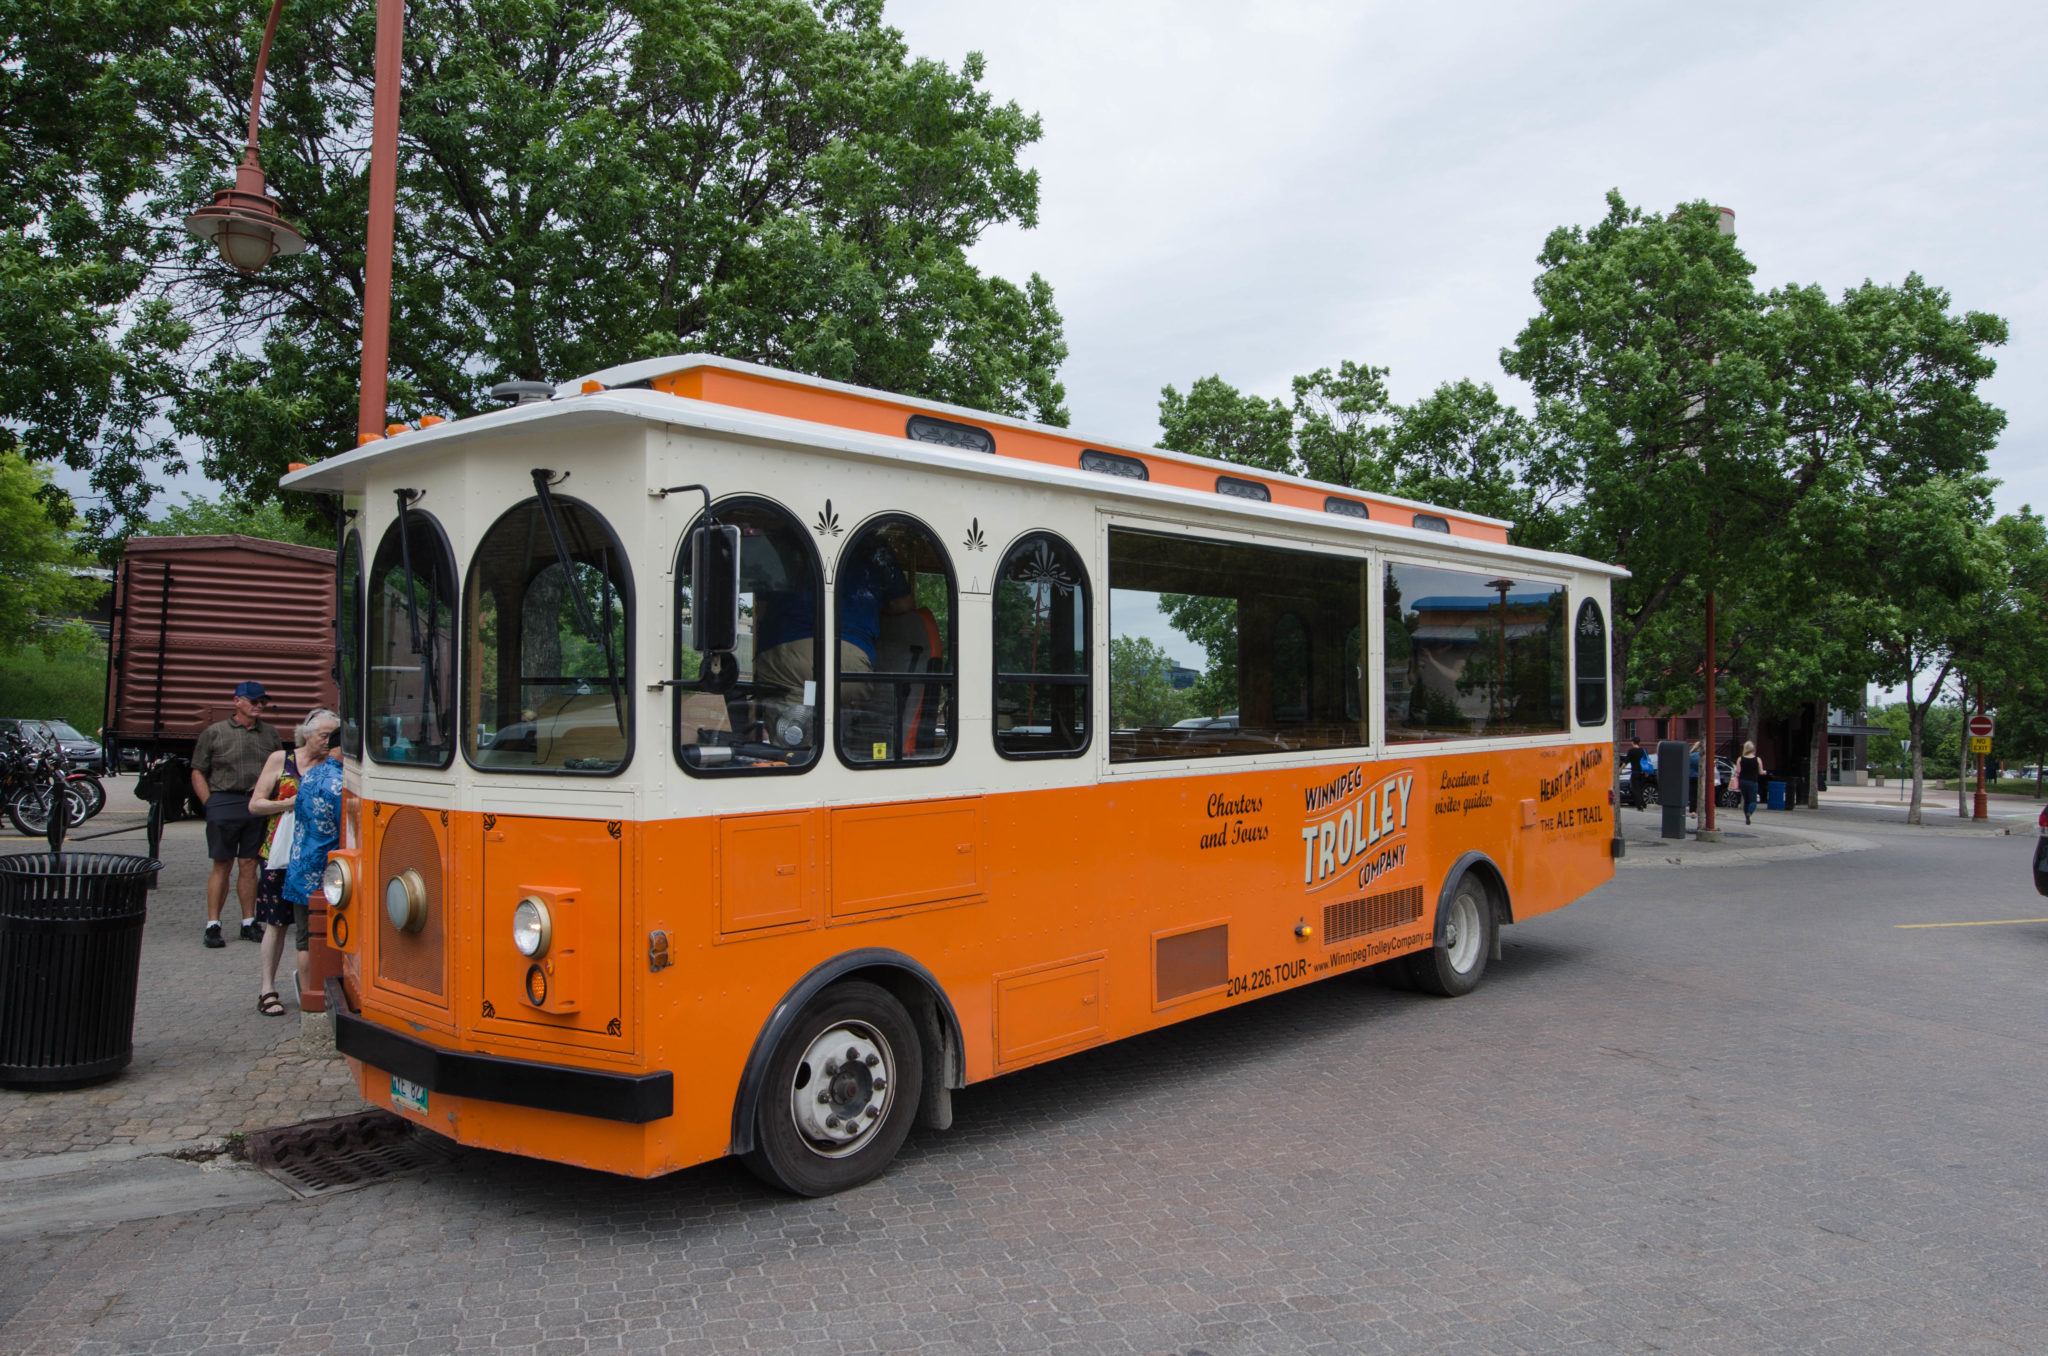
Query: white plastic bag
{"points": [[281, 843]]}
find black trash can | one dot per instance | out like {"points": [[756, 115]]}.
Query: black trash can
{"points": [[70, 953]]}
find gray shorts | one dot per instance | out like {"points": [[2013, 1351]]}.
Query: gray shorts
{"points": [[232, 833]]}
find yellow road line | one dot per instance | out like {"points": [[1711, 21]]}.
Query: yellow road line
{"points": [[1987, 923]]}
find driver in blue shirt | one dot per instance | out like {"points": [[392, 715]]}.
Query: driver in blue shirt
{"points": [[871, 585]]}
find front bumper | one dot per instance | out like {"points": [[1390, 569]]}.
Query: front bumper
{"points": [[634, 1099]]}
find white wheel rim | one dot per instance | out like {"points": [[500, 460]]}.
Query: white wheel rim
{"points": [[842, 1089], [1463, 932]]}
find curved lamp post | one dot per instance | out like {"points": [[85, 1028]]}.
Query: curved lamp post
{"points": [[243, 222]]}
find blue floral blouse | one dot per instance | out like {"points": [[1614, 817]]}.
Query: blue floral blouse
{"points": [[316, 829]]}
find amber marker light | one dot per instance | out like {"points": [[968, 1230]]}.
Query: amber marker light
{"points": [[532, 929], [536, 985], [1304, 931]]}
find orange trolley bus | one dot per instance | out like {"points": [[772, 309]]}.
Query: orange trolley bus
{"points": [[739, 762]]}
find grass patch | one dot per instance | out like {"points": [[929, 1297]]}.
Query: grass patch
{"points": [[70, 685]]}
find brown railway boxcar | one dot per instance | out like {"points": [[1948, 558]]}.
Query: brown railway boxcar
{"points": [[193, 616]]}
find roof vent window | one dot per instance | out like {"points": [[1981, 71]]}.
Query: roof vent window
{"points": [[1345, 508], [922, 428], [523, 392], [1243, 489], [1113, 464], [1429, 522]]}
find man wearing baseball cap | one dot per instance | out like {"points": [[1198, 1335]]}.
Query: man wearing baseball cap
{"points": [[225, 765]]}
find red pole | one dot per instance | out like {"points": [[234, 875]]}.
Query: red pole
{"points": [[1982, 808], [370, 412], [1709, 762]]}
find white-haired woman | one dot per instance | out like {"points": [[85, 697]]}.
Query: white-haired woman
{"points": [[277, 791]]}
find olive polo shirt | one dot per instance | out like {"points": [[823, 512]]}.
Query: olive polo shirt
{"points": [[231, 758]]}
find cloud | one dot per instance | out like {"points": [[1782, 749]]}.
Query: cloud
{"points": [[1264, 191]]}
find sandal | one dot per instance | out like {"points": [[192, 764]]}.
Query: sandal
{"points": [[269, 1004]]}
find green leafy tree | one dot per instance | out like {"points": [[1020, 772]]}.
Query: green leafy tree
{"points": [[272, 521], [1141, 695], [1462, 446], [1654, 401], [584, 182], [1342, 421], [1212, 624], [581, 183], [41, 571], [1215, 419], [86, 346]]}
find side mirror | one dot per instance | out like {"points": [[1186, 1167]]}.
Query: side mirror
{"points": [[715, 588]]}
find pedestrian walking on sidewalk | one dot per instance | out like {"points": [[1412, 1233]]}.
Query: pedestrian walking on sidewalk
{"points": [[226, 762], [1638, 772], [1749, 771], [276, 795]]}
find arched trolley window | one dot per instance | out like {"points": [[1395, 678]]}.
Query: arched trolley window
{"points": [[348, 641], [1590, 660], [548, 621], [409, 646], [894, 609], [763, 715], [1041, 650]]}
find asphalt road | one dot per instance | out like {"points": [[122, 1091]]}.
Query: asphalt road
{"points": [[1734, 1110]]}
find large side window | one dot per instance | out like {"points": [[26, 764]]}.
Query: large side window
{"points": [[348, 642], [763, 716], [1590, 662], [1472, 656], [547, 617], [1042, 655], [1274, 632], [409, 652], [893, 612]]}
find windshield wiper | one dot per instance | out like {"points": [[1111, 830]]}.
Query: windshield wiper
{"points": [[601, 638]]}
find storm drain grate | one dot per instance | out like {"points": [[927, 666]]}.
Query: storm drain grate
{"points": [[317, 1158]]}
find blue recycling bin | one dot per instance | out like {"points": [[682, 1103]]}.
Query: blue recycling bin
{"points": [[1777, 793]]}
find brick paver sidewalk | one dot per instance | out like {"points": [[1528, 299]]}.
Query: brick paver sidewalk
{"points": [[206, 1062]]}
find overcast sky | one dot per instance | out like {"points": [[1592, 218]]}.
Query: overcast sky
{"points": [[1262, 190]]}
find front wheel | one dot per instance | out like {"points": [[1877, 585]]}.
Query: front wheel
{"points": [[1465, 932], [29, 810], [841, 1091]]}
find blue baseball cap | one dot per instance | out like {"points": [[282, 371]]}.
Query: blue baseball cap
{"points": [[253, 691]]}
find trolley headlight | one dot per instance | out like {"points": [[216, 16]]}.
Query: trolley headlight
{"points": [[532, 929], [337, 883], [405, 901]]}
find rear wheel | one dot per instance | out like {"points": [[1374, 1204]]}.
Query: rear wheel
{"points": [[89, 789], [1465, 932], [842, 1089]]}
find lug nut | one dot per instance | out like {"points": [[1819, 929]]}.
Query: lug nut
{"points": [[872, 1060], [881, 1083], [831, 1067], [824, 1099], [852, 1055], [831, 1122]]}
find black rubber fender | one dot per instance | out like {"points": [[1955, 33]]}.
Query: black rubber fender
{"points": [[880, 965]]}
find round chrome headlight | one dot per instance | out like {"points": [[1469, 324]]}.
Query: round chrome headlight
{"points": [[532, 929], [405, 901], [337, 883]]}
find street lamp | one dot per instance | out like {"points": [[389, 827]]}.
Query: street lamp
{"points": [[243, 222]]}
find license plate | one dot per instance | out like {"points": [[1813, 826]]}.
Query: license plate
{"points": [[411, 1096]]}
